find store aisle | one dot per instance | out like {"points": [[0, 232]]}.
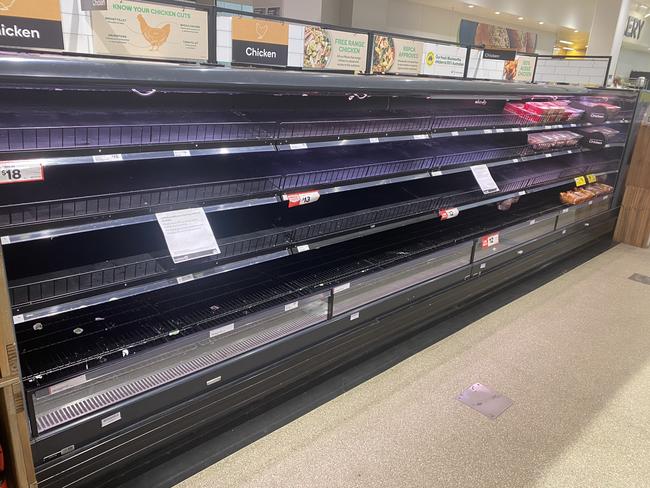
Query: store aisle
{"points": [[573, 355]]}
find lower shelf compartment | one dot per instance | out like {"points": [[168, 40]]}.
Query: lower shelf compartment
{"points": [[316, 351]]}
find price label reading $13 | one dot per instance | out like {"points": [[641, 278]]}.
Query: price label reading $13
{"points": [[592, 178], [20, 172], [581, 181], [304, 198]]}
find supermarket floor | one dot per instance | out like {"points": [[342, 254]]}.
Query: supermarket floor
{"points": [[573, 355]]}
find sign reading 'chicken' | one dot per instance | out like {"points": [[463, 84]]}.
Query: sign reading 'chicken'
{"points": [[257, 41], [31, 24], [150, 30]]}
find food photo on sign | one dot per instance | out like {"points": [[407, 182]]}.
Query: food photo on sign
{"points": [[496, 37], [327, 49]]}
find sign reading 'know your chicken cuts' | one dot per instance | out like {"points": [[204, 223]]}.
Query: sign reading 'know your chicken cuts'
{"points": [[150, 30]]}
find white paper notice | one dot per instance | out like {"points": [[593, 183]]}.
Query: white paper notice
{"points": [[484, 178], [188, 234]]}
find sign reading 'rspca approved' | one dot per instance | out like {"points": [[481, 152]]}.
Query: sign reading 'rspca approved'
{"points": [[259, 42], [31, 24]]}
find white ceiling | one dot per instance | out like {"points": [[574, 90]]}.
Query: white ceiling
{"points": [[555, 14]]}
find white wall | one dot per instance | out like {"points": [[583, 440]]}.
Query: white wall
{"points": [[309, 10], [406, 17], [630, 59], [331, 12]]}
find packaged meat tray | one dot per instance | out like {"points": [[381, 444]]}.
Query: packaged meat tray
{"points": [[553, 140], [584, 194], [597, 111], [596, 137]]}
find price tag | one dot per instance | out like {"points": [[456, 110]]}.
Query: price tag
{"points": [[487, 131], [522, 193], [303, 248], [448, 213], [20, 172], [341, 288], [374, 140], [290, 306], [188, 234], [221, 330], [484, 179], [454, 133], [420, 136], [548, 155], [182, 153], [354, 316], [107, 158], [515, 160], [298, 146], [184, 279], [580, 181], [490, 240], [547, 127], [303, 198], [111, 419], [500, 131], [436, 173], [515, 129], [570, 151], [592, 178]]}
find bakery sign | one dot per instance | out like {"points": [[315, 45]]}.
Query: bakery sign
{"points": [[259, 42], [31, 24], [634, 27]]}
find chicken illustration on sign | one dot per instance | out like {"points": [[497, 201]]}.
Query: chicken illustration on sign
{"points": [[156, 36], [6, 5]]}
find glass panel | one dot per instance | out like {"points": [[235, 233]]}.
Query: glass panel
{"points": [[571, 215], [513, 236], [383, 283], [102, 387]]}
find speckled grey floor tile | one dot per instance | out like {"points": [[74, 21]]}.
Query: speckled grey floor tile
{"points": [[574, 356]]}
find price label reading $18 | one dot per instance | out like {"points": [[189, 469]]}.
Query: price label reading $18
{"points": [[304, 198], [581, 181], [20, 172]]}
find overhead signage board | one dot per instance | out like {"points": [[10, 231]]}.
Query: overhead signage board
{"points": [[259, 42], [31, 24], [326, 49], [501, 65], [443, 60], [394, 55], [150, 30]]}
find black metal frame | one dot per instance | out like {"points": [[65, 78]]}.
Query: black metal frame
{"points": [[308, 355]]}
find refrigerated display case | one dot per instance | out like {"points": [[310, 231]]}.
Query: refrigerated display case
{"points": [[348, 210]]}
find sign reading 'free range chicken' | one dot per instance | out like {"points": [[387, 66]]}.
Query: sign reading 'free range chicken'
{"points": [[259, 42]]}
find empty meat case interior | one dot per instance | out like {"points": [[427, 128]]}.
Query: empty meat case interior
{"points": [[108, 324], [94, 358], [109, 259]]}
